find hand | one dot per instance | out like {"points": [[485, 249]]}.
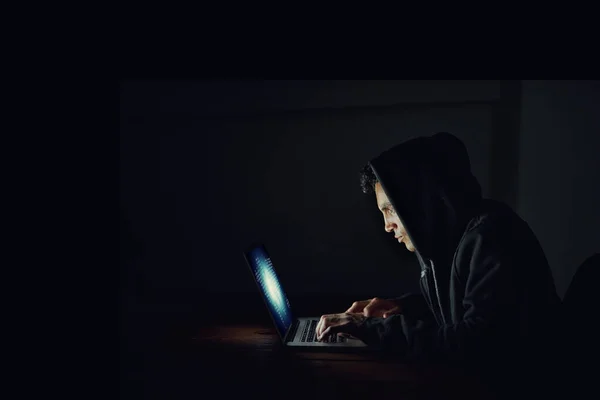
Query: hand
{"points": [[375, 307], [338, 323]]}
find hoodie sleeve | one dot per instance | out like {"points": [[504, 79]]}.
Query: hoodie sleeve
{"points": [[486, 266], [414, 306]]}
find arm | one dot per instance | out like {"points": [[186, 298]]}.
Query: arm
{"points": [[488, 325], [414, 306]]}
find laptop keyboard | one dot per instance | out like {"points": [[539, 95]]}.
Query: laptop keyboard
{"points": [[309, 334]]}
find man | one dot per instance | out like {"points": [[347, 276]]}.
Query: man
{"points": [[487, 292]]}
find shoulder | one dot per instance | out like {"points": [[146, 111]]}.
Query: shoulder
{"points": [[494, 231], [495, 219]]}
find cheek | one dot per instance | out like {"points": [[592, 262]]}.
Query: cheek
{"points": [[400, 226]]}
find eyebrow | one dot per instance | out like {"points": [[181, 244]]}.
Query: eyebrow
{"points": [[386, 205]]}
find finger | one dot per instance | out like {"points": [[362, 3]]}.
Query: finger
{"points": [[329, 331], [391, 312], [319, 325], [320, 333], [370, 309], [357, 306], [322, 324], [347, 335]]}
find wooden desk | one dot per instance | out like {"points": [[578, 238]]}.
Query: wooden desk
{"points": [[249, 358], [244, 357]]}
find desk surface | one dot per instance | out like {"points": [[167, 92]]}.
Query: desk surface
{"points": [[244, 356]]}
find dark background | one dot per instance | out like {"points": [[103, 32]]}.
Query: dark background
{"points": [[207, 167]]}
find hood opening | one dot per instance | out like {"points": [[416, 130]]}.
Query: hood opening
{"points": [[430, 184]]}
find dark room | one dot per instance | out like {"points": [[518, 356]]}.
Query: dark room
{"points": [[361, 239]]}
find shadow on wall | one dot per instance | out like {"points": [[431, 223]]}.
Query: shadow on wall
{"points": [[197, 189], [559, 171]]}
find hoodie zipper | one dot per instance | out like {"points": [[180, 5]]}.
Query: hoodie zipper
{"points": [[427, 276], [437, 293]]}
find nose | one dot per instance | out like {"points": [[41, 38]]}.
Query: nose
{"points": [[389, 226]]}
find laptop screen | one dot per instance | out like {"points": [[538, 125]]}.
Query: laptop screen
{"points": [[277, 302]]}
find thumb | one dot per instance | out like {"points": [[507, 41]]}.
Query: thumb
{"points": [[390, 312], [329, 331]]}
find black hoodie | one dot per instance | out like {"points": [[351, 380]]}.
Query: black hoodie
{"points": [[487, 292]]}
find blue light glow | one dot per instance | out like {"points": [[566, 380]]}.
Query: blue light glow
{"points": [[272, 288], [276, 300]]}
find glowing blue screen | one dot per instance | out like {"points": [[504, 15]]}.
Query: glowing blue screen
{"points": [[276, 300]]}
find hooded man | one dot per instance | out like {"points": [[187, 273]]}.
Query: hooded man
{"points": [[487, 292]]}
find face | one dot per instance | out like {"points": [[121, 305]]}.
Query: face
{"points": [[391, 219]]}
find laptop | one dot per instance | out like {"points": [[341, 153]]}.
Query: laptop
{"points": [[296, 332]]}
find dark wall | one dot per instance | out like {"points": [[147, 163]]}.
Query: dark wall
{"points": [[559, 171], [208, 167]]}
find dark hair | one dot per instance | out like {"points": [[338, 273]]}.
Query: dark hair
{"points": [[367, 179]]}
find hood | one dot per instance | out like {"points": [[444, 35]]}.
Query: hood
{"points": [[430, 184]]}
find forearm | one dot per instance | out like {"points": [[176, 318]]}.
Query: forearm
{"points": [[414, 306], [385, 333], [424, 340]]}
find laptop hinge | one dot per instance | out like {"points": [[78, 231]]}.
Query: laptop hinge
{"points": [[291, 333]]}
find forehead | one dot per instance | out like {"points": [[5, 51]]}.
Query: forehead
{"points": [[382, 198]]}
